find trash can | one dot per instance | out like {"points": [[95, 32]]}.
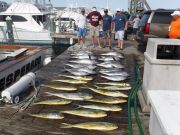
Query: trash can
{"points": [[162, 65]]}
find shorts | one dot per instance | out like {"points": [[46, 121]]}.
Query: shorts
{"points": [[106, 34], [120, 34], [94, 31], [135, 31], [81, 32]]}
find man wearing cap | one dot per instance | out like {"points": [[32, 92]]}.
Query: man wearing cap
{"points": [[95, 19], [174, 29], [81, 24], [107, 28], [120, 22]]}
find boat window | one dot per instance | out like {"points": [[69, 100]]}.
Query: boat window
{"points": [[15, 18], [39, 18]]}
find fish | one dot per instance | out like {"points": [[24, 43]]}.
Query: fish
{"points": [[109, 58], [82, 61], [91, 57], [81, 53], [83, 71], [115, 78], [108, 101], [53, 102], [78, 73], [113, 54], [112, 108], [72, 96], [54, 115], [81, 65], [125, 74], [109, 93], [115, 84], [82, 78], [113, 88], [109, 70], [110, 65], [86, 113], [63, 88], [70, 81], [100, 126]]}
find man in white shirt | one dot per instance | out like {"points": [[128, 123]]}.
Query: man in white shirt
{"points": [[81, 24]]}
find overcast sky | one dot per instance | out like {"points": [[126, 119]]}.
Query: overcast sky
{"points": [[114, 4]]}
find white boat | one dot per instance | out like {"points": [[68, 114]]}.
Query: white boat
{"points": [[30, 25], [18, 60]]}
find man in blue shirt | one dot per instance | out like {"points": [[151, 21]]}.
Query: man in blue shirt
{"points": [[120, 22], [107, 28]]}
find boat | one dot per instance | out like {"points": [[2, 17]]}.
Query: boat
{"points": [[30, 25], [18, 60]]}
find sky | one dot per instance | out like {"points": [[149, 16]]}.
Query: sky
{"points": [[114, 4]]}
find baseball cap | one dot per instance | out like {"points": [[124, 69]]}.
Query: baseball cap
{"points": [[105, 10], [94, 9], [118, 10], [176, 13]]}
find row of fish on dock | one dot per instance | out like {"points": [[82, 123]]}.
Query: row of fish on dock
{"points": [[82, 68]]}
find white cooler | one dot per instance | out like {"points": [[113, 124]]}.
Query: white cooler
{"points": [[165, 112]]}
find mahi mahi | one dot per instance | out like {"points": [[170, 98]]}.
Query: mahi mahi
{"points": [[100, 126], [86, 113], [63, 88], [70, 81], [109, 93], [72, 96], [113, 108], [108, 101], [83, 78], [114, 88], [115, 84], [53, 102], [53, 115]]}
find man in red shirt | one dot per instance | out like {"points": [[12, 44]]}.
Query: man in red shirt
{"points": [[95, 19]]}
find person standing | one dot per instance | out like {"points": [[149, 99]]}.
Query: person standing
{"points": [[95, 19], [107, 28], [120, 24], [81, 24], [174, 29], [136, 22]]}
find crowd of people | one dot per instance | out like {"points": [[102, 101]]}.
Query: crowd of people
{"points": [[117, 24], [107, 23]]}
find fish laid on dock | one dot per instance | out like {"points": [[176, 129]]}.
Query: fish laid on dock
{"points": [[109, 93], [115, 84], [76, 72], [70, 81], [53, 115], [53, 102], [109, 70], [91, 57], [81, 61], [82, 78], [74, 65], [113, 108], [110, 65], [115, 54], [114, 78], [108, 101], [125, 74], [114, 88], [63, 88], [72, 96], [101, 126], [86, 113], [108, 58]]}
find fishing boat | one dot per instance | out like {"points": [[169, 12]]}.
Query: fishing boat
{"points": [[30, 25], [18, 60]]}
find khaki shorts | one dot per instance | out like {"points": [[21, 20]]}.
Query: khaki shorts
{"points": [[94, 31], [106, 34]]}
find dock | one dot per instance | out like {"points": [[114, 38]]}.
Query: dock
{"points": [[22, 123]]}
